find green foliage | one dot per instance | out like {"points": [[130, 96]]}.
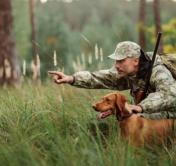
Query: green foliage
{"points": [[51, 125], [169, 34]]}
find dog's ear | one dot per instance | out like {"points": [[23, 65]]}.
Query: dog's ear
{"points": [[120, 101], [120, 104]]}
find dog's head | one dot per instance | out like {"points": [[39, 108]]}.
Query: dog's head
{"points": [[112, 103]]}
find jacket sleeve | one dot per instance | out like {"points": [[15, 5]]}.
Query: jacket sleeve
{"points": [[102, 79], [164, 99]]}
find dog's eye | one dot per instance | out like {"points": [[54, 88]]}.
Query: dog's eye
{"points": [[107, 99]]}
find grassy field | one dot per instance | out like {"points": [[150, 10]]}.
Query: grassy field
{"points": [[55, 125]]}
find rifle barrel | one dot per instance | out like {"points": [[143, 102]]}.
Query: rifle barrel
{"points": [[152, 62]]}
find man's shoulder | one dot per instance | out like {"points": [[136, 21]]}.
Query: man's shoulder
{"points": [[160, 69], [160, 72], [158, 59]]}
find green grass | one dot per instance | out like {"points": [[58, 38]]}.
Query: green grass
{"points": [[55, 125]]}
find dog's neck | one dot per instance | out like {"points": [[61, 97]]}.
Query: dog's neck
{"points": [[121, 113], [121, 118]]}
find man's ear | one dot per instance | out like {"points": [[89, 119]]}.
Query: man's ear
{"points": [[136, 60]]}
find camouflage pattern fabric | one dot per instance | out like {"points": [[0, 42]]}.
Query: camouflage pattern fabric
{"points": [[161, 101], [169, 61], [125, 49]]}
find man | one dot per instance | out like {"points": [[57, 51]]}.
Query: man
{"points": [[129, 72]]}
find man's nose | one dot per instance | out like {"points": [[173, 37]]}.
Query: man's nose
{"points": [[117, 66]]}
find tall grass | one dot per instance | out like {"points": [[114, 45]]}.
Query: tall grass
{"points": [[55, 125]]}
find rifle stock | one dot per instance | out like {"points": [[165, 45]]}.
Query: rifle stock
{"points": [[139, 96]]}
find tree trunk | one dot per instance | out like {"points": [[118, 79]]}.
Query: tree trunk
{"points": [[35, 65], [157, 19], [142, 15], [9, 68]]}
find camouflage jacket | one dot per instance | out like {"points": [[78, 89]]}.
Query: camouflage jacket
{"points": [[161, 100]]}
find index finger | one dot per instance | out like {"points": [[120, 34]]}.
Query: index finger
{"points": [[53, 72]]}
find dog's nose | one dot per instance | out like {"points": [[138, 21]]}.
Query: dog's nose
{"points": [[94, 106]]}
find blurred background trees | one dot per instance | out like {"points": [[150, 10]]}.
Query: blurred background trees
{"points": [[141, 23], [81, 33], [9, 68], [157, 20]]}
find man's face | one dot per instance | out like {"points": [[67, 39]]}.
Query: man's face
{"points": [[127, 66]]}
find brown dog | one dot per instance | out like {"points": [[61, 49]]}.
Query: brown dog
{"points": [[137, 130]]}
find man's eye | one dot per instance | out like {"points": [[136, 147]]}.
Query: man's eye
{"points": [[120, 61]]}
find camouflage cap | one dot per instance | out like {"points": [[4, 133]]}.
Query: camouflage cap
{"points": [[125, 49]]}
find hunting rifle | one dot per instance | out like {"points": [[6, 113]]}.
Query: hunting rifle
{"points": [[141, 94]]}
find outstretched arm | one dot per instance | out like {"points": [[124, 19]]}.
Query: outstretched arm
{"points": [[102, 79]]}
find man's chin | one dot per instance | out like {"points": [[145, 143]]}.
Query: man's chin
{"points": [[122, 74], [125, 74], [131, 74]]}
